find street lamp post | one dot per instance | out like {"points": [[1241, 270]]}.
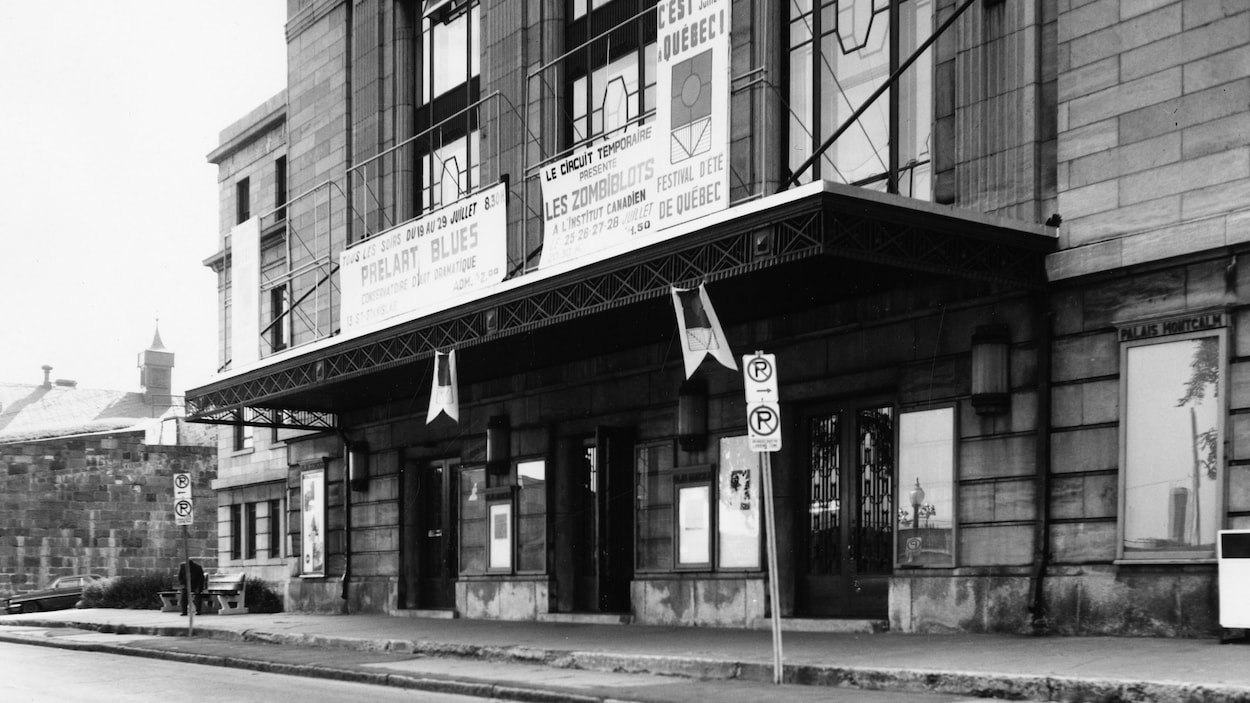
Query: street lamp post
{"points": [[917, 499]]}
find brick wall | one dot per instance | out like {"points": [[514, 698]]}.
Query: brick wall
{"points": [[99, 504]]}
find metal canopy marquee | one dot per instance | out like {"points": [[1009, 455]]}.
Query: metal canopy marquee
{"points": [[819, 220]]}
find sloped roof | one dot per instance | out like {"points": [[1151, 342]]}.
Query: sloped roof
{"points": [[38, 412]]}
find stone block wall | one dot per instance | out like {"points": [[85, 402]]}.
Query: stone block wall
{"points": [[1087, 590], [1152, 155], [994, 119], [100, 504]]}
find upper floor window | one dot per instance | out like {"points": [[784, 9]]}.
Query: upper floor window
{"points": [[242, 437], [1173, 445], [840, 52], [611, 71], [280, 318], [242, 201], [280, 192], [449, 90]]}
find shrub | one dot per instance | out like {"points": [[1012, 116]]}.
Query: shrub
{"points": [[143, 593], [134, 592], [260, 597]]}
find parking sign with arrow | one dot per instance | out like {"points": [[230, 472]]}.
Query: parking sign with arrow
{"points": [[184, 503], [759, 374]]}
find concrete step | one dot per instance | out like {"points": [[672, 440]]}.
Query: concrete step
{"points": [[833, 625], [439, 613], [587, 618]]}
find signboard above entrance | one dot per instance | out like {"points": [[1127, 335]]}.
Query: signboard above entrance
{"points": [[424, 263]]}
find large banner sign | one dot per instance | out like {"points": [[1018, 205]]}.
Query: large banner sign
{"points": [[444, 254], [649, 177]]}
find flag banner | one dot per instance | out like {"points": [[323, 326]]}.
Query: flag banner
{"points": [[699, 329], [444, 397]]}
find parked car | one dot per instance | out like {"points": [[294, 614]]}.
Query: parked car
{"points": [[65, 592]]}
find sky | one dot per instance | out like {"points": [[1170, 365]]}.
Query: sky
{"points": [[109, 206]]}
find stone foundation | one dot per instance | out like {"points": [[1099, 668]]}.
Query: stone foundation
{"points": [[701, 602], [1123, 600], [511, 599]]}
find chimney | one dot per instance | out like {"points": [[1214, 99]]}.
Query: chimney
{"points": [[47, 376]]}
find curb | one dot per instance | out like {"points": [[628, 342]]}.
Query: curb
{"points": [[464, 687], [963, 683]]}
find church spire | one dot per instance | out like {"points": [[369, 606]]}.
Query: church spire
{"points": [[157, 344]]}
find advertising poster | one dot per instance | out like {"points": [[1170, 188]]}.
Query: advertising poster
{"points": [[738, 531], [313, 544], [692, 108], [442, 255], [643, 179], [500, 525]]}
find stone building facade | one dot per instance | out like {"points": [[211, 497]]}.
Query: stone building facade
{"points": [[86, 479], [1001, 291]]}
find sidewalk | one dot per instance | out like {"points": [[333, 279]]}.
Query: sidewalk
{"points": [[1020, 668]]}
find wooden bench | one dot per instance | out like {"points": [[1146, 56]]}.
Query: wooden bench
{"points": [[171, 601], [228, 590]]}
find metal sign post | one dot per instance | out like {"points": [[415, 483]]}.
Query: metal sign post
{"points": [[759, 372], [184, 515]]}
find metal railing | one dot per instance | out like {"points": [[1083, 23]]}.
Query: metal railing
{"points": [[378, 196], [307, 224]]}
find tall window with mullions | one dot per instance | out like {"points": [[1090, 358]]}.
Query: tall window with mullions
{"points": [[611, 66], [450, 87], [840, 53]]}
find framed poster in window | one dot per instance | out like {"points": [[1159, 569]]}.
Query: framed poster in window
{"points": [[499, 525], [313, 515], [694, 524], [738, 506]]}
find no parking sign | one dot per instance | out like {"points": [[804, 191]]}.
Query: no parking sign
{"points": [[184, 503], [759, 374]]}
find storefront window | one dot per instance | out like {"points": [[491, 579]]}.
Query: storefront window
{"points": [[926, 488], [472, 505], [531, 477], [1173, 438], [654, 466]]}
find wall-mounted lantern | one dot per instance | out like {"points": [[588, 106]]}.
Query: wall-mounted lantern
{"points": [[692, 415], [358, 466], [498, 444], [991, 369]]}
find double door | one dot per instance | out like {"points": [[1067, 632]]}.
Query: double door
{"points": [[846, 518]]}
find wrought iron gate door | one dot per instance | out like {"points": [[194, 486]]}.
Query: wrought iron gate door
{"points": [[849, 455]]}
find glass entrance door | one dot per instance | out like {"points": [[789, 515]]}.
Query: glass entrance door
{"points": [[848, 456]]}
